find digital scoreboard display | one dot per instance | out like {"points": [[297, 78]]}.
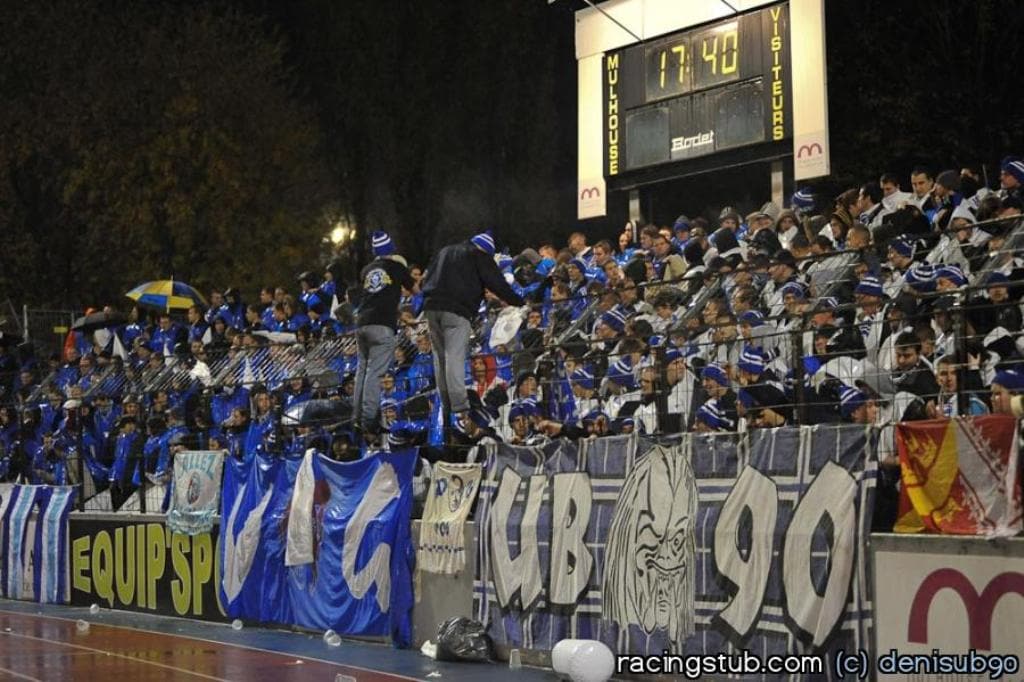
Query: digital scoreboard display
{"points": [[698, 92]]}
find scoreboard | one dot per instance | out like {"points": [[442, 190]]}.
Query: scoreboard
{"points": [[698, 92], [672, 88]]}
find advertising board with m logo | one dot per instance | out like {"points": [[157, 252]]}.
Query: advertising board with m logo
{"points": [[948, 593]]}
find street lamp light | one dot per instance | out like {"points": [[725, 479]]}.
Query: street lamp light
{"points": [[339, 234]]}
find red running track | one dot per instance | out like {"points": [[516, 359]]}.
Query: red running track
{"points": [[36, 647]]}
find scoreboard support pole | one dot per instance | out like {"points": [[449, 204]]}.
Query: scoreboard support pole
{"points": [[636, 215], [778, 184]]}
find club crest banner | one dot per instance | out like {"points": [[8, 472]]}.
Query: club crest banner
{"points": [[960, 476], [195, 499], [705, 544], [453, 489]]}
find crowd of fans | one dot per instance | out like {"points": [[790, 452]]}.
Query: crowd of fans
{"points": [[877, 306]]}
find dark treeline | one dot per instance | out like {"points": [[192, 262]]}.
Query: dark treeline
{"points": [[218, 142]]}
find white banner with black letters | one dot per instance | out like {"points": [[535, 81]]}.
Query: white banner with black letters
{"points": [[708, 544]]}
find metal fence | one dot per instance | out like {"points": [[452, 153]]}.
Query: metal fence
{"points": [[46, 329]]}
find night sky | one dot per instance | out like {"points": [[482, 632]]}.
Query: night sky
{"points": [[219, 141]]}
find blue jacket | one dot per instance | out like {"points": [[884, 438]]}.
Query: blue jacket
{"points": [[421, 373], [163, 342], [130, 332], [311, 297], [93, 454], [173, 434], [256, 436], [267, 317], [222, 404], [295, 321], [196, 331], [66, 375], [55, 466]]}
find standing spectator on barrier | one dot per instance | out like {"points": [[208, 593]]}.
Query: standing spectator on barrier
{"points": [[453, 288], [377, 297]]}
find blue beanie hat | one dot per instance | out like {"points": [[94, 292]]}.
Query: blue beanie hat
{"points": [[622, 373], [526, 407], [710, 414], [484, 241], [382, 244], [1014, 166], [869, 286], [1010, 379], [755, 318], [614, 319], [672, 354], [850, 399], [996, 279], [752, 360], [803, 199], [902, 247], [794, 288], [583, 376], [716, 374], [385, 403], [921, 276], [951, 272]]}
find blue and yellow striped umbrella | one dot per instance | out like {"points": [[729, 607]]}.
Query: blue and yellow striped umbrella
{"points": [[166, 294]]}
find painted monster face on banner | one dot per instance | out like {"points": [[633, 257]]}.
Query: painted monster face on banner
{"points": [[651, 546]]}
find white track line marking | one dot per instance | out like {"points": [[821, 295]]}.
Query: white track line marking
{"points": [[112, 653], [397, 676], [19, 675]]}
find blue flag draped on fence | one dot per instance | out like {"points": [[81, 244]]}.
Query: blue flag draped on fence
{"points": [[247, 491], [705, 544], [322, 544]]}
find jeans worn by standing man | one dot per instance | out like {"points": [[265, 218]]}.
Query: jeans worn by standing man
{"points": [[453, 288]]}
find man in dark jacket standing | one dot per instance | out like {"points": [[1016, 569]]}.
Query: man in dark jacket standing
{"points": [[378, 293], [452, 290]]}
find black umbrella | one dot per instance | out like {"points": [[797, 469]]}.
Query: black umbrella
{"points": [[94, 321], [317, 411]]}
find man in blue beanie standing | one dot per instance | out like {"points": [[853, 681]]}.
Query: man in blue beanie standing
{"points": [[378, 294], [453, 288]]}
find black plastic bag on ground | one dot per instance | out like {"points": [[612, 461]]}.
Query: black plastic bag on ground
{"points": [[462, 639]]}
